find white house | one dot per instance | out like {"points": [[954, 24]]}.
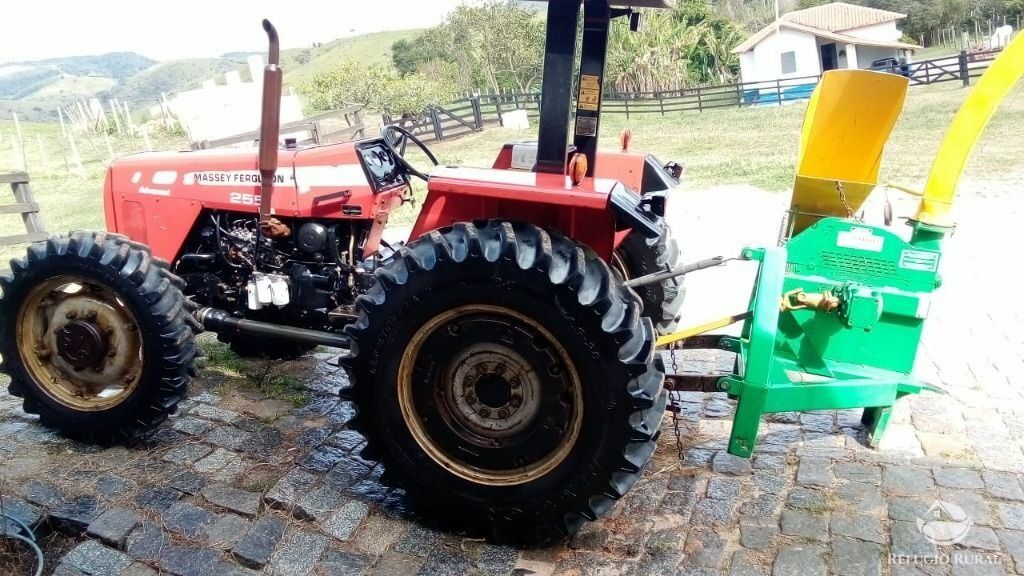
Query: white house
{"points": [[808, 42]]}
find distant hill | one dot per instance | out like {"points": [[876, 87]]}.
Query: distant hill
{"points": [[35, 89]]}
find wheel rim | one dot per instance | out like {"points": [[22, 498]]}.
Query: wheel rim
{"points": [[490, 395], [80, 343]]}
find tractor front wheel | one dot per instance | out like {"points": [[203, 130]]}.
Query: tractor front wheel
{"points": [[639, 256], [504, 376], [95, 337]]}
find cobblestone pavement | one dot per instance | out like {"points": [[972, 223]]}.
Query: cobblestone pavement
{"points": [[240, 484]]}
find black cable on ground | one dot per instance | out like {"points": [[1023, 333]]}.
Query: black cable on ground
{"points": [[29, 538]]}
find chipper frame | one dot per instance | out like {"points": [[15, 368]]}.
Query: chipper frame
{"points": [[838, 308]]}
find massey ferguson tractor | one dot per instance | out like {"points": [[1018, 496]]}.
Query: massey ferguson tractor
{"points": [[503, 362]]}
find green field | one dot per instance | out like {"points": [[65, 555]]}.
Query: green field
{"points": [[755, 146]]}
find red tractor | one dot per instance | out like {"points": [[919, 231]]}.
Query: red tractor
{"points": [[501, 368]]}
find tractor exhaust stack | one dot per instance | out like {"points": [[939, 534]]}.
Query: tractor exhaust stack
{"points": [[270, 123]]}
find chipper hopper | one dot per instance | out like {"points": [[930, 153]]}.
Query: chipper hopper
{"points": [[504, 361], [837, 309]]}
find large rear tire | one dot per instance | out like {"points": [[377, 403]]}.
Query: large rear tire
{"points": [[638, 256], [95, 336], [504, 377]]}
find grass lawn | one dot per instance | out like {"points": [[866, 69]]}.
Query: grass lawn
{"points": [[755, 146]]}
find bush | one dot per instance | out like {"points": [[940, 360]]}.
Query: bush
{"points": [[378, 87]]}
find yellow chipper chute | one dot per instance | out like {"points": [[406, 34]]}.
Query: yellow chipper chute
{"points": [[848, 121]]}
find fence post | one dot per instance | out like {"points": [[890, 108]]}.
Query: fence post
{"points": [[700, 100], [965, 73], [438, 132], [497, 108], [739, 95], [778, 91], [625, 100], [478, 117], [661, 103], [515, 99]]}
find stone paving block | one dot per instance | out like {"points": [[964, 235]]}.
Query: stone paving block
{"points": [[1012, 515], [297, 555], [246, 503], [1002, 485], [858, 526], [192, 426], [807, 499], [345, 521], [342, 563], [907, 540], [714, 511], [42, 494], [95, 559], [946, 446], [113, 526], [982, 538], [723, 488], [186, 481], [226, 531], [228, 437], [958, 478], [20, 510], [187, 454], [858, 472], [146, 542], [703, 548], [758, 536], [347, 440], [814, 472], [187, 519], [1013, 542], [157, 498], [908, 509], [799, 560], [813, 526], [856, 558], [745, 563], [217, 414], [74, 516], [761, 506], [770, 480], [497, 560], [725, 463], [972, 503], [113, 486], [419, 541], [680, 494], [907, 480], [289, 488], [185, 561], [320, 503], [445, 561], [255, 548], [322, 458]]}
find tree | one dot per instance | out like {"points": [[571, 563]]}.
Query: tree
{"points": [[378, 87]]}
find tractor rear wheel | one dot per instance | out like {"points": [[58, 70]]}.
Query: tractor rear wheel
{"points": [[95, 336], [638, 256], [504, 376]]}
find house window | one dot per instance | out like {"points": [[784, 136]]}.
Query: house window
{"points": [[788, 62]]}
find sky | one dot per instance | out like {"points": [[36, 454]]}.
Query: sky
{"points": [[37, 29]]}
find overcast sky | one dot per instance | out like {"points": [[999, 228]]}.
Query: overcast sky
{"points": [[36, 29]]}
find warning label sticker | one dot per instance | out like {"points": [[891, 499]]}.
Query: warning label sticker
{"points": [[586, 126], [919, 260], [860, 239], [590, 93]]}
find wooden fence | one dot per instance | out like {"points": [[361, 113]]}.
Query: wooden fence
{"points": [[475, 112], [324, 128], [25, 205]]}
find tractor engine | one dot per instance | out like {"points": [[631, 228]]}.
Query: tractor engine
{"points": [[300, 272]]}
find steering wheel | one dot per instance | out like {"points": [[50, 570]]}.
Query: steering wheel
{"points": [[397, 138]]}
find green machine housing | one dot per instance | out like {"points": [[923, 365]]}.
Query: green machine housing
{"points": [[857, 351]]}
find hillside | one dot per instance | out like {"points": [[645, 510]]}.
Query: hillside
{"points": [[302, 64], [36, 89]]}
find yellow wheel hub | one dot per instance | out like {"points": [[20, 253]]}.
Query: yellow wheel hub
{"points": [[80, 343]]}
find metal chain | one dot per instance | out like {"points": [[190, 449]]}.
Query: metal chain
{"points": [[842, 198], [676, 399]]}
